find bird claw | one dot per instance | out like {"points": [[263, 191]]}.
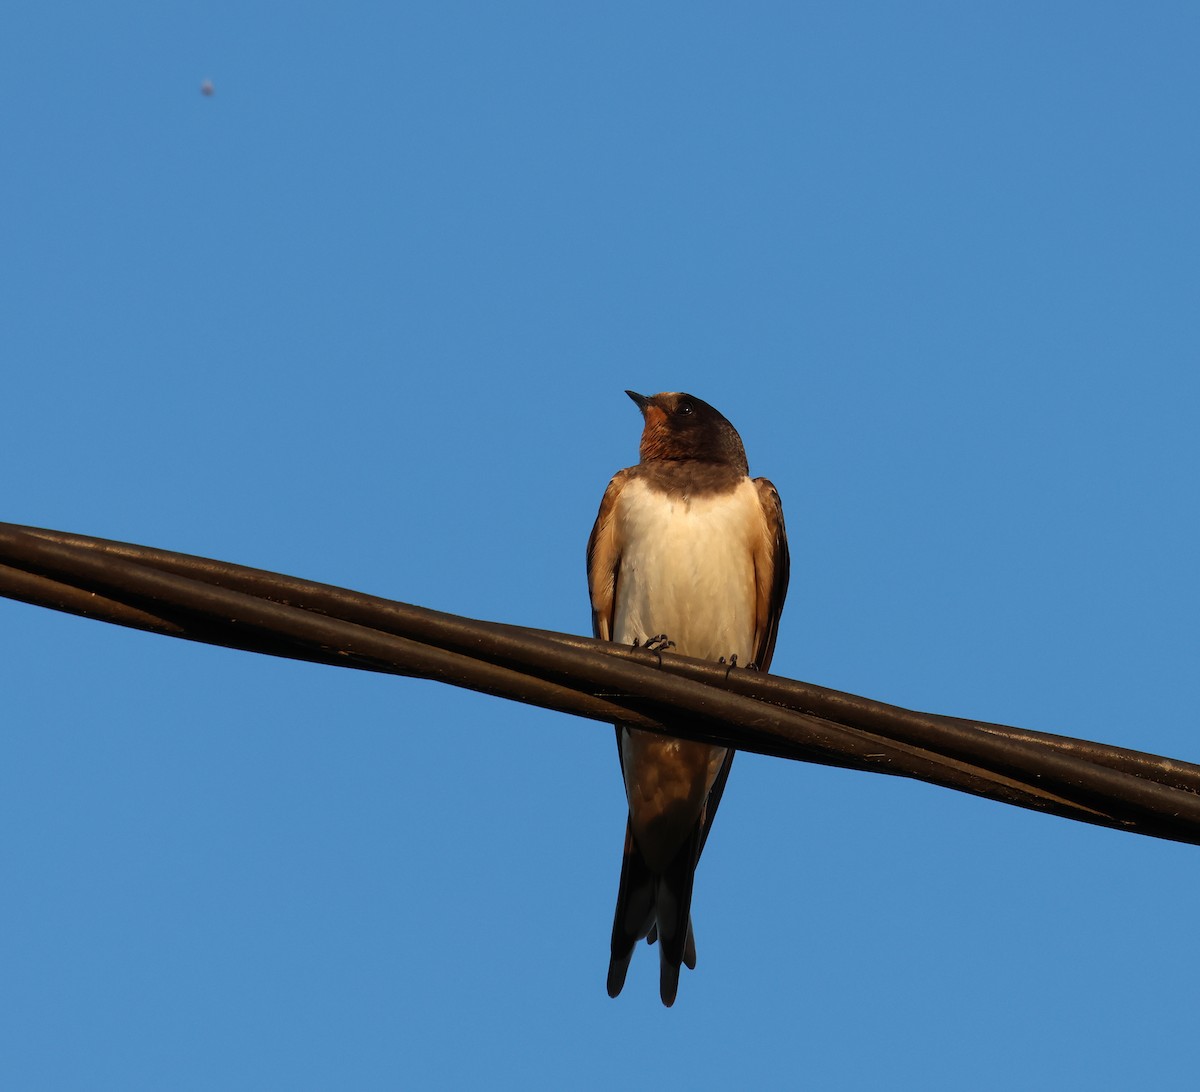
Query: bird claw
{"points": [[658, 644]]}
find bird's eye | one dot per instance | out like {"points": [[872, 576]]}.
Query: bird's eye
{"points": [[684, 408]]}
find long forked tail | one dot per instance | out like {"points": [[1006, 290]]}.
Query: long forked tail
{"points": [[656, 906]]}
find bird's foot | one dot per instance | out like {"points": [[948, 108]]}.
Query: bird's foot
{"points": [[658, 644]]}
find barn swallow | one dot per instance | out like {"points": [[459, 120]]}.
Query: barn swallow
{"points": [[689, 546]]}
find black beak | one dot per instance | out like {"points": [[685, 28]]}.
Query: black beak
{"points": [[641, 400]]}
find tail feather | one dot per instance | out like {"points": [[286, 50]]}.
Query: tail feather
{"points": [[672, 911], [656, 907], [689, 950], [634, 917]]}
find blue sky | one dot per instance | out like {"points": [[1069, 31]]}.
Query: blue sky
{"points": [[365, 315]]}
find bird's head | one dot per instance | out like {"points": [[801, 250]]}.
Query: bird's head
{"points": [[680, 426]]}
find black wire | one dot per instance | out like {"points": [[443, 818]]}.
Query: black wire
{"points": [[218, 603]]}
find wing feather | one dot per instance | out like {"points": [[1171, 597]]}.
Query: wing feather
{"points": [[772, 566], [604, 559]]}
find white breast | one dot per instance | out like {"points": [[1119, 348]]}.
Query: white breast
{"points": [[687, 570]]}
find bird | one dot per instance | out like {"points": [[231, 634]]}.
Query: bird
{"points": [[687, 551]]}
